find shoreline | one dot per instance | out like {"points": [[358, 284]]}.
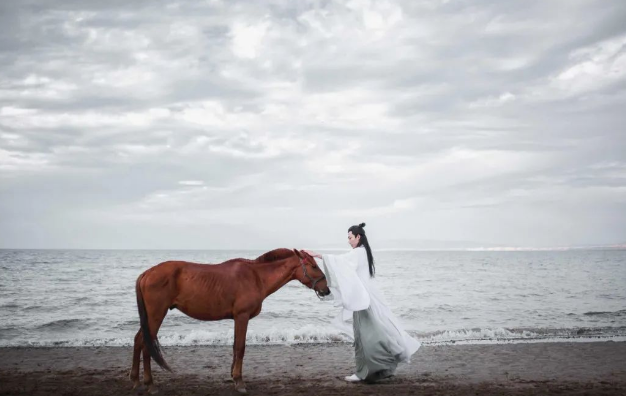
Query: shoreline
{"points": [[313, 369], [425, 342]]}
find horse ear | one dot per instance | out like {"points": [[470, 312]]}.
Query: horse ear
{"points": [[297, 252]]}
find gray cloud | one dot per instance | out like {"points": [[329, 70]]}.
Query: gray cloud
{"points": [[246, 125]]}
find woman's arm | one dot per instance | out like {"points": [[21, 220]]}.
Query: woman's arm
{"points": [[318, 255], [312, 253]]}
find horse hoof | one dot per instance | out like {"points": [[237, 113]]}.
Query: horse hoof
{"points": [[229, 380], [153, 390], [240, 387], [136, 385]]}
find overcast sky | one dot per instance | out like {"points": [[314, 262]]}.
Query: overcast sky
{"points": [[231, 124]]}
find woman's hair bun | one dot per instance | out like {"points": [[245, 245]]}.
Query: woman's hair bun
{"points": [[362, 225]]}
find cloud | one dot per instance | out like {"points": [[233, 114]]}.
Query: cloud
{"points": [[191, 182], [597, 66], [284, 123]]}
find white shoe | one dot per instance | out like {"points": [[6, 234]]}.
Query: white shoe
{"points": [[352, 378]]}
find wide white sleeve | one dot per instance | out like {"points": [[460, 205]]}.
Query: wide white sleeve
{"points": [[343, 281]]}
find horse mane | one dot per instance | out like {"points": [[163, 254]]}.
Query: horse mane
{"points": [[274, 255]]}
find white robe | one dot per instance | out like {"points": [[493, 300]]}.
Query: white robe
{"points": [[351, 287]]}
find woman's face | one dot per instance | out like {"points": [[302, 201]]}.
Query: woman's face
{"points": [[352, 240]]}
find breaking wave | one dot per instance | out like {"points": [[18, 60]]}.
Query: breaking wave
{"points": [[311, 335]]}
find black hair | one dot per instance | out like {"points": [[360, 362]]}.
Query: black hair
{"points": [[358, 230]]}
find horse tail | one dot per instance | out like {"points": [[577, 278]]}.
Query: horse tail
{"points": [[152, 344]]}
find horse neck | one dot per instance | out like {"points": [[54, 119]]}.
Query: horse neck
{"points": [[276, 274]]}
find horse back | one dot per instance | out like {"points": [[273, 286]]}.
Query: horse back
{"points": [[210, 291]]}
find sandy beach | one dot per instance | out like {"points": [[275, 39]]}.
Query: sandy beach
{"points": [[597, 368]]}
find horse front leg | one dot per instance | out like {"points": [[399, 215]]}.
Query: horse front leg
{"points": [[232, 366], [241, 328]]}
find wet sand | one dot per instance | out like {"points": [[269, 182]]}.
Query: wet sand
{"points": [[597, 368]]}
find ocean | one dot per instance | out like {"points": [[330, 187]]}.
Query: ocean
{"points": [[87, 298]]}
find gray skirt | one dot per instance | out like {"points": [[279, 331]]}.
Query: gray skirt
{"points": [[374, 357]]}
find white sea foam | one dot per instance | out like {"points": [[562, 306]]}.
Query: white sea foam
{"points": [[503, 335], [311, 335]]}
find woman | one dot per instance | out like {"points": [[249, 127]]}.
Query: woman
{"points": [[379, 340]]}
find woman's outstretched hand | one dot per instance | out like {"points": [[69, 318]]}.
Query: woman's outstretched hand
{"points": [[312, 253]]}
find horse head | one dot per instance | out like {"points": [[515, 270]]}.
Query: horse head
{"points": [[311, 275]]}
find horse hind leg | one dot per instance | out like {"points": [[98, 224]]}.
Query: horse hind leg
{"points": [[137, 348], [155, 319], [147, 372]]}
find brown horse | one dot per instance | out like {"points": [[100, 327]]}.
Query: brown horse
{"points": [[234, 289]]}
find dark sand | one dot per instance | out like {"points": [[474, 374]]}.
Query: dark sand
{"points": [[597, 368]]}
